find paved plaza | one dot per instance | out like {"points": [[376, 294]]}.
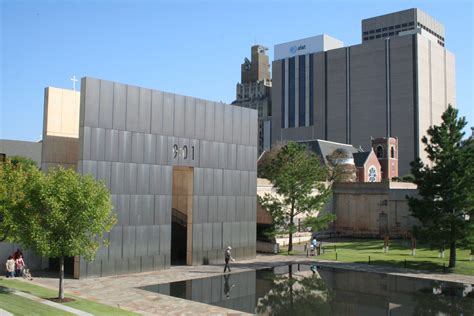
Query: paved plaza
{"points": [[122, 291]]}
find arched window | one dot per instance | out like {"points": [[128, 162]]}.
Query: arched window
{"points": [[379, 151], [392, 152]]}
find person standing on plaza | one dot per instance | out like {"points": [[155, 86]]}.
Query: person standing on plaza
{"points": [[228, 257], [10, 267], [19, 265]]}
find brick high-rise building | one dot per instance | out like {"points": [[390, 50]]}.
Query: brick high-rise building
{"points": [[396, 83]]}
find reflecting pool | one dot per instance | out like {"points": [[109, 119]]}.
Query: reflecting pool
{"points": [[310, 290]]}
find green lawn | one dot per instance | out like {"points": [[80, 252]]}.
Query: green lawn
{"points": [[21, 306], [358, 251]]}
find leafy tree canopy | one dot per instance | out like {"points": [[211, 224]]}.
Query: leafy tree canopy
{"points": [[300, 182]]}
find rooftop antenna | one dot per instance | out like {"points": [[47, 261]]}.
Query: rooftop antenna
{"points": [[74, 80]]}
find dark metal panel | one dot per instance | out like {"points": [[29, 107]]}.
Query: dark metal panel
{"points": [[244, 182], [104, 171], [89, 167], [145, 110], [143, 179], [85, 143], [165, 239], [93, 269], [125, 146], [228, 123], [252, 182], [128, 241], [227, 185], [253, 128], [236, 235], [210, 121], [232, 156], [122, 208], [97, 144], [208, 181], [155, 178], [214, 155], [236, 182], [195, 150], [189, 117], [161, 150], [179, 103], [222, 155], [132, 116], [168, 113], [206, 236], [121, 266], [108, 268], [197, 237], [149, 142], [167, 174], [117, 185], [91, 102], [239, 208], [245, 126], [236, 125], [106, 103], [147, 264], [160, 209], [137, 147], [221, 209], [130, 178], [134, 209], [156, 112], [219, 122], [241, 157], [120, 106], [198, 176], [217, 236], [173, 152], [111, 145], [141, 241], [185, 156], [218, 182], [203, 209], [231, 205], [134, 265], [154, 241], [212, 217], [200, 119]]}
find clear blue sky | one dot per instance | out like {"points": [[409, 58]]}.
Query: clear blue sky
{"points": [[188, 47]]}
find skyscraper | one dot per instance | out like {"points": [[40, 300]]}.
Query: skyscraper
{"points": [[254, 92], [396, 83]]}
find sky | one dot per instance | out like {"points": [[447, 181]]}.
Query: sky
{"points": [[189, 47]]}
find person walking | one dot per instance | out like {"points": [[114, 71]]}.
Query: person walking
{"points": [[228, 257], [10, 267], [19, 265]]}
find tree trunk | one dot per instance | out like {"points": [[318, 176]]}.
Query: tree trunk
{"points": [[290, 239], [452, 254], [61, 278]]}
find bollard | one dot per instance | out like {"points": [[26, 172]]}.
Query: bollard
{"points": [[369, 259], [405, 264], [298, 267], [336, 256]]}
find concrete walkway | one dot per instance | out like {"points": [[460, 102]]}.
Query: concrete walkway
{"points": [[122, 291]]}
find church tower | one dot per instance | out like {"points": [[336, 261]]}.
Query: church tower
{"points": [[386, 149]]}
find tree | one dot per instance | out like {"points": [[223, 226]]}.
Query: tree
{"points": [[299, 180], [17, 177], [445, 205], [66, 216]]}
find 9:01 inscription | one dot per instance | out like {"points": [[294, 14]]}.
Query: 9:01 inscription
{"points": [[183, 151]]}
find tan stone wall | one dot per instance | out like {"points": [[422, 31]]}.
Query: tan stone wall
{"points": [[370, 209], [60, 128]]}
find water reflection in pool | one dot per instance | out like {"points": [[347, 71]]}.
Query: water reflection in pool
{"points": [[305, 290]]}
